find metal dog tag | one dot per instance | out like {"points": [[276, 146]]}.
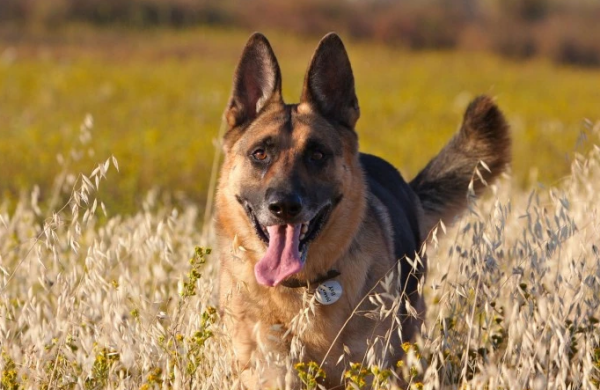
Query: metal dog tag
{"points": [[328, 292]]}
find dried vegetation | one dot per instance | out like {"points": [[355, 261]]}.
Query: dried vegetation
{"points": [[96, 301]]}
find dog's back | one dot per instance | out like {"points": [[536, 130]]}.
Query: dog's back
{"points": [[482, 143], [439, 192], [442, 187]]}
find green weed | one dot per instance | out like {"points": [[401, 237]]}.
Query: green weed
{"points": [[10, 376]]}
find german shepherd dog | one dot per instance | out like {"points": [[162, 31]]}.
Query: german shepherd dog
{"points": [[300, 210]]}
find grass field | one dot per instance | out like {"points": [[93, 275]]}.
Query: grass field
{"points": [[156, 98], [93, 300]]}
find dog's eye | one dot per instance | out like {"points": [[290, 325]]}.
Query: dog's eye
{"points": [[316, 155], [259, 154]]}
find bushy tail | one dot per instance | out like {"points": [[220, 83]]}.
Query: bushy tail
{"points": [[442, 186]]}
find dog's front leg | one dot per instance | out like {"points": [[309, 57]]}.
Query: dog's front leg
{"points": [[260, 350], [264, 357]]}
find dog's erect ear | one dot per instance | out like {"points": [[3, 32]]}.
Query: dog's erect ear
{"points": [[256, 82], [329, 83]]}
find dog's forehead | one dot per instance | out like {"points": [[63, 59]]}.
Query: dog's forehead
{"points": [[288, 125]]}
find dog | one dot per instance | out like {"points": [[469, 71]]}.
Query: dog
{"points": [[301, 214]]}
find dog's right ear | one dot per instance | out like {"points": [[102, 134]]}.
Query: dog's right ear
{"points": [[256, 82]]}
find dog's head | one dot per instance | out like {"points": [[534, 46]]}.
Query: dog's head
{"points": [[291, 167]]}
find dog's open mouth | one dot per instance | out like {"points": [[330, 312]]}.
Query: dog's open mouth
{"points": [[287, 246], [308, 230]]}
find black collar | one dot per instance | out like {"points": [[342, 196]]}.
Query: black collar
{"points": [[297, 283]]}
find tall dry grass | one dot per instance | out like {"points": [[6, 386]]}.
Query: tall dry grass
{"points": [[514, 290], [92, 301]]}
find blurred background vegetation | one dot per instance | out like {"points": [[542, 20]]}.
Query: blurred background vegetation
{"points": [[155, 76], [567, 31]]}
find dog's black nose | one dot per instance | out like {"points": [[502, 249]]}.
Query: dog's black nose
{"points": [[285, 206]]}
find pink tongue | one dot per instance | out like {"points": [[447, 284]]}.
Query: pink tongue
{"points": [[282, 258]]}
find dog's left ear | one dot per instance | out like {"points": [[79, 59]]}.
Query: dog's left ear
{"points": [[329, 83]]}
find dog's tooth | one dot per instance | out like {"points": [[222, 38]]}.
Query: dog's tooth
{"points": [[302, 236], [304, 228]]}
